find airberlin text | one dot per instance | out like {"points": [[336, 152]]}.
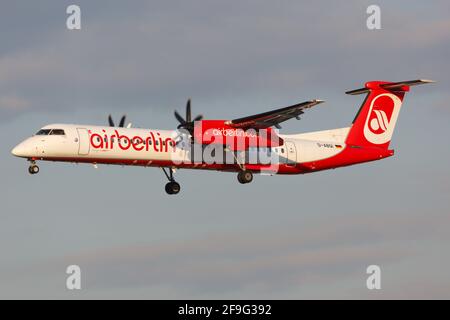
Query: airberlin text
{"points": [[123, 142]]}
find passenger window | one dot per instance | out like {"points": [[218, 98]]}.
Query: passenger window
{"points": [[43, 132]]}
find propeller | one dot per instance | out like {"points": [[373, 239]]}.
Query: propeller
{"points": [[187, 123], [121, 123]]}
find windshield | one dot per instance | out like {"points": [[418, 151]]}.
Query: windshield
{"points": [[57, 132], [52, 132], [43, 132]]}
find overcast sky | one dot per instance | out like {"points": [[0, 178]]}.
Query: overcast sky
{"points": [[309, 236]]}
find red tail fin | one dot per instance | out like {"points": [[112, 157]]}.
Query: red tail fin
{"points": [[375, 122]]}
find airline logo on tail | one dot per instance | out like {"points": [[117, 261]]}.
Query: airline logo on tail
{"points": [[381, 119]]}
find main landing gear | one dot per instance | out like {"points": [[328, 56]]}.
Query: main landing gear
{"points": [[33, 168], [172, 187], [245, 176]]}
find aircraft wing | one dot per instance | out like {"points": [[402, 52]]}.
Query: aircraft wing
{"points": [[274, 117]]}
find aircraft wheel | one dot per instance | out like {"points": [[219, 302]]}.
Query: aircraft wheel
{"points": [[239, 177], [34, 169], [245, 177], [173, 187]]}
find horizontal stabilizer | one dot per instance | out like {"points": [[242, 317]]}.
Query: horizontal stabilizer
{"points": [[393, 86]]}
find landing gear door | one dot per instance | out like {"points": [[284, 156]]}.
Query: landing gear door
{"points": [[291, 153], [83, 142]]}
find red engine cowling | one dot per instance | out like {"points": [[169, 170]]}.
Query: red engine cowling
{"points": [[218, 132]]}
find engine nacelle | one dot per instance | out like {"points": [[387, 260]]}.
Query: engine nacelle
{"points": [[218, 132]]}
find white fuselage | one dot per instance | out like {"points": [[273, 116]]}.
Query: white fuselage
{"points": [[150, 147]]}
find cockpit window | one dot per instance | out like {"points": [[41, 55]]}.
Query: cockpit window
{"points": [[43, 132], [57, 132]]}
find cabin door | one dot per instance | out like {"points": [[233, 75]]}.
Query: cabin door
{"points": [[83, 142], [291, 153]]}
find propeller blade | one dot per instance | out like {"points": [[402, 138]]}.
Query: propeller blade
{"points": [[179, 118], [188, 111], [187, 123], [122, 121], [198, 118], [110, 121]]}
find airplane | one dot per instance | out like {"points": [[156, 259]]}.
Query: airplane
{"points": [[247, 145]]}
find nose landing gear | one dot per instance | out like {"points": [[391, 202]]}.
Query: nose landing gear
{"points": [[172, 187], [33, 168]]}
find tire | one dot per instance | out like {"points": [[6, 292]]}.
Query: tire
{"points": [[245, 177], [33, 169], [239, 177], [173, 187], [168, 188]]}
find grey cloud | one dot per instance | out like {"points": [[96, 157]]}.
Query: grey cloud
{"points": [[274, 259], [13, 103], [157, 56]]}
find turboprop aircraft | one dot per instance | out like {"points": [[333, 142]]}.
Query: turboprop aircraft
{"points": [[245, 145]]}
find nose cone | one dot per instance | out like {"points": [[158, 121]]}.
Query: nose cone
{"points": [[20, 150]]}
